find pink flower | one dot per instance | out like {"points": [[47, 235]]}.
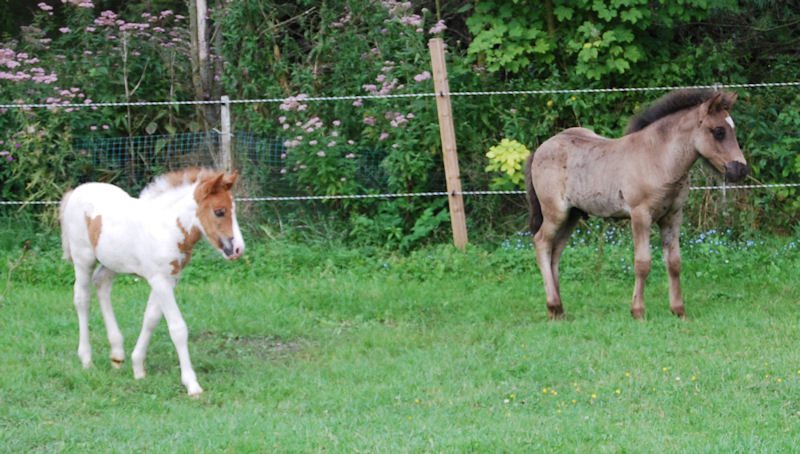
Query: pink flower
{"points": [[313, 142], [349, 156], [438, 28], [64, 29], [331, 144], [321, 154], [106, 19], [425, 75], [337, 122], [92, 128], [383, 136], [44, 6], [105, 127], [358, 102], [369, 121]]}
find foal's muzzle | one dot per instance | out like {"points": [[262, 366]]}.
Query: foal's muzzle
{"points": [[735, 171], [231, 249]]}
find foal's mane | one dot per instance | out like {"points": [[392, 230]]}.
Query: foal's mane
{"points": [[673, 102], [172, 180]]}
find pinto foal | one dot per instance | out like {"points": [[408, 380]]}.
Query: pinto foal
{"points": [[152, 237]]}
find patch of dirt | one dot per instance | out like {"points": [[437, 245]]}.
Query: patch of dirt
{"points": [[266, 347]]}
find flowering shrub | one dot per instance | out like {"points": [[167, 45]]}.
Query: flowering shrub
{"points": [[120, 61], [374, 49], [32, 163], [317, 157]]}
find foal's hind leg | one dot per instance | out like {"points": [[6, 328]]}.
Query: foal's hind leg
{"points": [[544, 241], [560, 243], [103, 278], [81, 299]]}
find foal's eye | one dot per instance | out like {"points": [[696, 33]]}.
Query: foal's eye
{"points": [[719, 133], [219, 212]]}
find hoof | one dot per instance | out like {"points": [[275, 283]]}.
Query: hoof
{"points": [[139, 374], [638, 314], [117, 363], [194, 391], [679, 311], [555, 312]]}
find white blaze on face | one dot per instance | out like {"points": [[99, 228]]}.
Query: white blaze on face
{"points": [[730, 121]]}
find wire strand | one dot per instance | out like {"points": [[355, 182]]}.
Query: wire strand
{"points": [[395, 96], [419, 194]]}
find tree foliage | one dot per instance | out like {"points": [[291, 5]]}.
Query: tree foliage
{"points": [[110, 50]]}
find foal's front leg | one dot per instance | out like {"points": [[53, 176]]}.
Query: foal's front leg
{"points": [[641, 221], [670, 244], [152, 316], [163, 294]]}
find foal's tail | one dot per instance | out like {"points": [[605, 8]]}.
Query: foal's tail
{"points": [[535, 210], [64, 241]]}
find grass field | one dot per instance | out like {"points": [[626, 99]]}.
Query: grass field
{"points": [[319, 347]]}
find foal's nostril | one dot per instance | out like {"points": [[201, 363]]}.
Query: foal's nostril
{"points": [[227, 247], [735, 171]]}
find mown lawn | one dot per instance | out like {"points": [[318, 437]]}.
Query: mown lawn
{"points": [[318, 347]]}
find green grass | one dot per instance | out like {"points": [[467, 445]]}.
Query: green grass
{"points": [[319, 347]]}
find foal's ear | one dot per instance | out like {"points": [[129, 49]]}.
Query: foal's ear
{"points": [[210, 186], [715, 104], [229, 179], [722, 101], [731, 98]]}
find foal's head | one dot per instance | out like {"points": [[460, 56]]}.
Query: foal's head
{"points": [[217, 215], [715, 138]]}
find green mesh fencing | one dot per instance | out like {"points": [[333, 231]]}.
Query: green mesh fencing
{"points": [[132, 162]]}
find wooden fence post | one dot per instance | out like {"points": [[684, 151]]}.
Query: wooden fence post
{"points": [[447, 132], [226, 157]]}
